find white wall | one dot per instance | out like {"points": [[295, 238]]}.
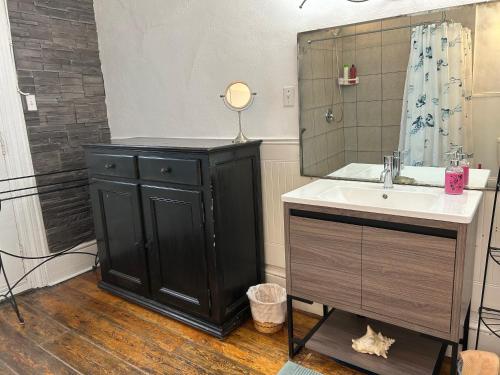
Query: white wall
{"points": [[166, 62]]}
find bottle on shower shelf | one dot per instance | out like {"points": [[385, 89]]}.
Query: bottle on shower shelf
{"points": [[346, 73], [465, 164], [454, 178], [353, 73]]}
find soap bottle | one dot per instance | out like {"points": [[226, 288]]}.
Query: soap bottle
{"points": [[454, 178], [346, 73], [353, 73], [465, 164]]}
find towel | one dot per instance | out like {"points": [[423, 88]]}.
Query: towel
{"points": [[475, 362]]}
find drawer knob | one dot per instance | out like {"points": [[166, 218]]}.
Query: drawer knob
{"points": [[166, 170], [109, 165]]}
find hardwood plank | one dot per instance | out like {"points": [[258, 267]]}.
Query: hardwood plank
{"points": [[93, 333], [25, 357], [86, 357], [6, 370], [151, 357], [211, 361], [258, 360], [37, 327]]}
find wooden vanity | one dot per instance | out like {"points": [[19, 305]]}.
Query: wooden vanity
{"points": [[407, 277]]}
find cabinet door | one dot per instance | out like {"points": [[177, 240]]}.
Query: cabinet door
{"points": [[408, 276], [173, 222], [118, 227], [325, 261]]}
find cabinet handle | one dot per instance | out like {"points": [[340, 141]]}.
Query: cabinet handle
{"points": [[109, 165], [166, 170]]}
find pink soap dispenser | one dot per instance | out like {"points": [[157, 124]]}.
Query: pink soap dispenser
{"points": [[465, 164], [454, 178]]}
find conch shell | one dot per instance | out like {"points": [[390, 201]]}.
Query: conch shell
{"points": [[373, 343]]}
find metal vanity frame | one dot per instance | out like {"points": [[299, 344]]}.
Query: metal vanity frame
{"points": [[295, 345]]}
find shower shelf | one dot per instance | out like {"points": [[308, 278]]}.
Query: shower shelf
{"points": [[348, 82]]}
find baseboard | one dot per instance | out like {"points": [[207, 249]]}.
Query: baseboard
{"points": [[68, 266]]}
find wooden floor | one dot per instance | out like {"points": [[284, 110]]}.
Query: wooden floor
{"points": [[76, 328]]}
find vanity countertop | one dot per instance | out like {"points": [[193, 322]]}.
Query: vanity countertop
{"points": [[411, 201], [433, 176], [177, 144]]}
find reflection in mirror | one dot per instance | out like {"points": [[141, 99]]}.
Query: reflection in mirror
{"points": [[401, 87]]}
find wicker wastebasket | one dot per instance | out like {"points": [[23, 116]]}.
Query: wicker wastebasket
{"points": [[268, 305]]}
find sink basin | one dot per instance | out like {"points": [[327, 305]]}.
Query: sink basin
{"points": [[406, 200], [412, 201]]}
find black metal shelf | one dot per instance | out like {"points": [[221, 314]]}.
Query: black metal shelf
{"points": [[487, 316], [495, 254], [491, 319]]}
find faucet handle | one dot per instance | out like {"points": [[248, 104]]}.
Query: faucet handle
{"points": [[388, 160]]}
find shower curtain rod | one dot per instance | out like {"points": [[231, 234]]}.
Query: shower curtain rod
{"points": [[443, 20]]}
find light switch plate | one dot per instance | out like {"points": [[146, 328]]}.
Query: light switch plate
{"points": [[289, 96], [31, 102]]}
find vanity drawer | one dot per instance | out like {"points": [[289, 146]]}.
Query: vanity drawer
{"points": [[179, 171], [112, 165], [325, 260], [409, 276]]}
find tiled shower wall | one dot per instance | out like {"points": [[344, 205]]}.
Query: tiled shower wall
{"points": [[372, 109], [323, 142], [57, 59]]}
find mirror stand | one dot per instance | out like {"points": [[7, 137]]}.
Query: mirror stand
{"points": [[240, 138]]}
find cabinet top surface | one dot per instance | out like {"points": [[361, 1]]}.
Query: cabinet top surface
{"points": [[182, 144], [409, 201]]}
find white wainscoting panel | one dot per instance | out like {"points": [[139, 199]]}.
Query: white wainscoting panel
{"points": [[280, 173]]}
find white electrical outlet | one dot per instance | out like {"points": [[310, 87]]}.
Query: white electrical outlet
{"points": [[31, 102], [289, 96]]}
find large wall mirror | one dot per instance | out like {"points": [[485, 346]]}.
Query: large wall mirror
{"points": [[426, 85]]}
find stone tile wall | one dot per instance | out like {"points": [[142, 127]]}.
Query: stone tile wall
{"points": [[57, 59]]}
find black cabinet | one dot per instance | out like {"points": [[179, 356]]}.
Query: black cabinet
{"points": [[173, 220], [179, 226], [116, 206]]}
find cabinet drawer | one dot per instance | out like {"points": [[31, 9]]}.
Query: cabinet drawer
{"points": [[325, 260], [408, 276], [112, 165], [179, 171]]}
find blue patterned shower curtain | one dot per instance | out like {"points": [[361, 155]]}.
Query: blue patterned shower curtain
{"points": [[436, 103]]}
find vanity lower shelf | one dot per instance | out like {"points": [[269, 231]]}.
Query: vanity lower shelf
{"points": [[412, 353]]}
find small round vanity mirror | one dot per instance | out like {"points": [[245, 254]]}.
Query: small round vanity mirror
{"points": [[238, 97]]}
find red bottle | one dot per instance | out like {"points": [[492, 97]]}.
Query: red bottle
{"points": [[353, 73]]}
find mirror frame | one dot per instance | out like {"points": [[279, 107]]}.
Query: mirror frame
{"points": [[229, 105], [301, 130]]}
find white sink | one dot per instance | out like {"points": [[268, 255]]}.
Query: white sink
{"points": [[407, 200], [412, 201]]}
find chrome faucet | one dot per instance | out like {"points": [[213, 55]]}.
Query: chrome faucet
{"points": [[397, 163], [386, 175]]}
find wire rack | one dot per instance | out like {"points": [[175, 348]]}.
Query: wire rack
{"points": [[63, 180], [490, 317]]}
